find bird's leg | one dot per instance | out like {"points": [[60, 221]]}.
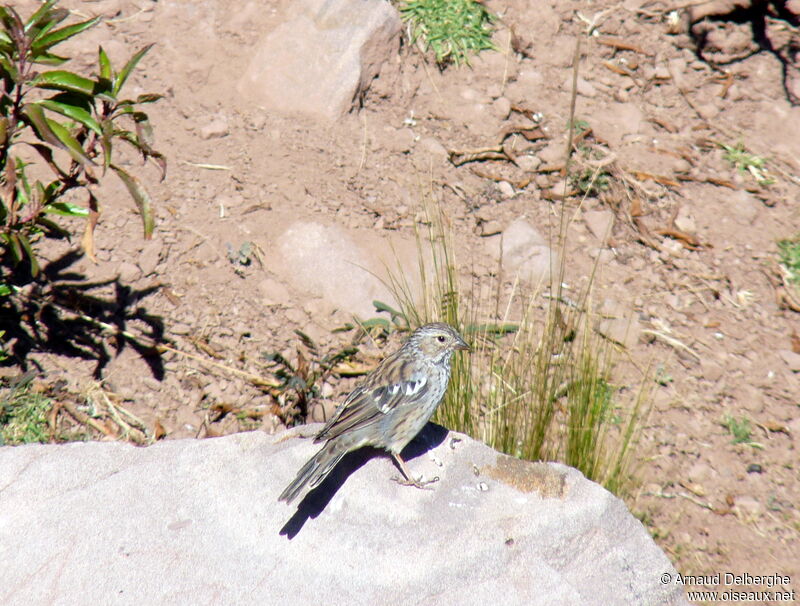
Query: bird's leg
{"points": [[409, 479]]}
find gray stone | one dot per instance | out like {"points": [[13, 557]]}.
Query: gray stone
{"points": [[685, 220], [150, 257], [711, 370], [180, 328], [600, 223], [748, 507], [501, 108], [529, 163], [624, 330], [792, 359], [193, 521], [506, 189], [323, 57], [273, 292], [524, 251], [553, 152], [744, 206], [489, 228], [433, 147], [326, 261], [400, 140], [215, 129], [583, 86], [617, 120], [128, 272]]}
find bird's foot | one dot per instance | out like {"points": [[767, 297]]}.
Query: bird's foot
{"points": [[421, 484]]}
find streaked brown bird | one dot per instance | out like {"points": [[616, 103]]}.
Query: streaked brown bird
{"points": [[389, 408]]}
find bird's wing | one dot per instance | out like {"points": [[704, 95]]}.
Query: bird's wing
{"points": [[396, 380]]}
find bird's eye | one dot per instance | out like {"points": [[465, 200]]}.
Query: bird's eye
{"points": [[441, 338]]}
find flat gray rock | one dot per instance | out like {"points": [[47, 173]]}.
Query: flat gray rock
{"points": [[197, 522]]}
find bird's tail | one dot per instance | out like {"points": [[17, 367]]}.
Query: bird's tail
{"points": [[314, 471]]}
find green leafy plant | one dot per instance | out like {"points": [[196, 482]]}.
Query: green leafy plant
{"points": [[739, 429], [591, 181], [789, 254], [745, 162], [56, 122], [299, 382], [452, 29], [23, 414]]}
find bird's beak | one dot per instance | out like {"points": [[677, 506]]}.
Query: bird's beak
{"points": [[462, 345]]}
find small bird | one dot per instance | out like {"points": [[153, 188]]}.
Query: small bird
{"points": [[389, 408]]}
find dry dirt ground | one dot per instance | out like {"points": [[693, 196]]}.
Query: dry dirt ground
{"points": [[692, 250]]}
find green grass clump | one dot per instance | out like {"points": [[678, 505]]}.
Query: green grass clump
{"points": [[538, 388], [746, 162], [789, 253], [23, 415], [739, 429], [452, 29]]}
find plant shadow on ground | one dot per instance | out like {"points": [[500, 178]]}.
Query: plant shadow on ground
{"points": [[315, 501], [59, 314]]}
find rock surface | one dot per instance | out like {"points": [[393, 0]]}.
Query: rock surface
{"points": [[314, 258], [320, 59], [197, 522], [524, 251]]}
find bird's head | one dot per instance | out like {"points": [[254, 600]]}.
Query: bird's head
{"points": [[437, 341]]}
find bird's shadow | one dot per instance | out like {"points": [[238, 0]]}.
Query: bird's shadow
{"points": [[316, 500]]}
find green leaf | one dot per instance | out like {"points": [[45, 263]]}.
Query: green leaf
{"points": [[14, 246], [119, 82], [5, 290], [66, 209], [39, 15], [36, 32], [50, 59], [376, 323], [36, 118], [381, 306], [144, 132], [54, 133], [72, 111], [149, 98], [66, 81], [8, 67], [106, 143], [106, 72], [12, 21], [26, 244], [70, 144], [42, 43], [140, 196]]}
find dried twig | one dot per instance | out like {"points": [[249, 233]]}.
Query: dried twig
{"points": [[618, 44], [672, 341]]}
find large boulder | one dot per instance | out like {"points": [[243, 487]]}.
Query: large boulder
{"points": [[198, 522], [323, 57]]}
